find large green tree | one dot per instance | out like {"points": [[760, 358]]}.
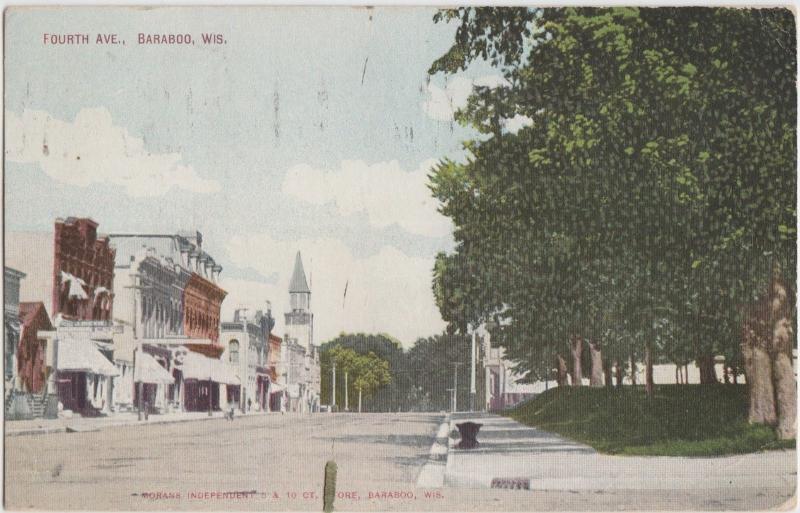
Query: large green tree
{"points": [[649, 206]]}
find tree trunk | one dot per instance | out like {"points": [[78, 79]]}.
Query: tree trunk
{"points": [[648, 373], [596, 377], [708, 374], [633, 370], [607, 372], [782, 371], [618, 370], [767, 351], [677, 375], [359, 400], [561, 371], [576, 348], [726, 378]]}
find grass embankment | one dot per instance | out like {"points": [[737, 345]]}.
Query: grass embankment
{"points": [[679, 420]]}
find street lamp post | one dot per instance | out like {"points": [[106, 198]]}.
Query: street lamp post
{"points": [[333, 387]]}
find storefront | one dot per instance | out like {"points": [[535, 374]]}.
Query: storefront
{"points": [[152, 380], [83, 377], [206, 382]]}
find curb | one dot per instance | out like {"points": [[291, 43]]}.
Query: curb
{"points": [[112, 424], [432, 473]]}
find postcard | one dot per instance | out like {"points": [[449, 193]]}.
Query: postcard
{"points": [[350, 258]]}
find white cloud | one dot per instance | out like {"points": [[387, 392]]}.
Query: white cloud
{"points": [[517, 123], [386, 192], [387, 292], [91, 149], [442, 103]]}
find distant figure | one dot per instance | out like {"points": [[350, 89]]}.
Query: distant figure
{"points": [[229, 415], [283, 404], [249, 404]]}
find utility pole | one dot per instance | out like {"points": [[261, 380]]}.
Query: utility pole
{"points": [[346, 402], [455, 385], [472, 390], [333, 388]]}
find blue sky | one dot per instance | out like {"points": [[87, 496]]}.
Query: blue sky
{"points": [[310, 129]]}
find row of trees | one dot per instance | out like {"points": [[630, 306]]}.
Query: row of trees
{"points": [[417, 379], [647, 211]]}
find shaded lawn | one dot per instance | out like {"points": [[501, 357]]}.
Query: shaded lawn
{"points": [[680, 420]]}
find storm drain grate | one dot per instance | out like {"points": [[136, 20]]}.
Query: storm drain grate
{"points": [[512, 483]]}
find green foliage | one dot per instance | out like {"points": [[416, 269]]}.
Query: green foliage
{"points": [[650, 198], [680, 420], [394, 396], [431, 361]]}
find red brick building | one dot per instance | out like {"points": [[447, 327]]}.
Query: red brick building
{"points": [[31, 352], [83, 271], [202, 300]]}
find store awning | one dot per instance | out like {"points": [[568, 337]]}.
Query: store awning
{"points": [[148, 370], [197, 366], [223, 373], [276, 387], [81, 355]]}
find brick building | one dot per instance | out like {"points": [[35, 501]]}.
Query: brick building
{"points": [[83, 271], [33, 367]]}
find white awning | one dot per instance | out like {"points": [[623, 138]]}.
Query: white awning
{"points": [[223, 373], [200, 367], [148, 370], [276, 387], [81, 355], [195, 366]]}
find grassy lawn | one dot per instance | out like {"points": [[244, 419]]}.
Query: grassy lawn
{"points": [[680, 420]]}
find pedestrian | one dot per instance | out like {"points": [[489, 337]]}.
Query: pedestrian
{"points": [[249, 404], [283, 403]]}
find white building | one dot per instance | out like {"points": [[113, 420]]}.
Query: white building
{"points": [[246, 348]]}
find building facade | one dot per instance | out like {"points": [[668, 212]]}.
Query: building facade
{"points": [[11, 326], [83, 271], [301, 354], [168, 312], [245, 342], [33, 366], [78, 350]]}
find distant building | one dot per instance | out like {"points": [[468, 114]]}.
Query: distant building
{"points": [[35, 358], [11, 325], [302, 356], [246, 346], [275, 368]]}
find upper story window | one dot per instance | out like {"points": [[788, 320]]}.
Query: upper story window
{"points": [[233, 348]]}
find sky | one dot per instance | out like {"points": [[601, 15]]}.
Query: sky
{"points": [[310, 129]]}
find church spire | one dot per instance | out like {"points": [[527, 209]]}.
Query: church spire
{"points": [[298, 282]]}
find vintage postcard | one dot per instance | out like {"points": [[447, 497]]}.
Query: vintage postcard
{"points": [[386, 258]]}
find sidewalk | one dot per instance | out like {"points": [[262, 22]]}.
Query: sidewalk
{"points": [[81, 424], [512, 454]]}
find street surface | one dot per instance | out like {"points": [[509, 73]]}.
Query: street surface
{"points": [[276, 462]]}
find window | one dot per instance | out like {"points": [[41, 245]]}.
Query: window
{"points": [[233, 348]]}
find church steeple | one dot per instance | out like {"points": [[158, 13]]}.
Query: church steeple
{"points": [[299, 319], [298, 282]]}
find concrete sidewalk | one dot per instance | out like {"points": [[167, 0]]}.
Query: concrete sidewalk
{"points": [[82, 424], [512, 454]]}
